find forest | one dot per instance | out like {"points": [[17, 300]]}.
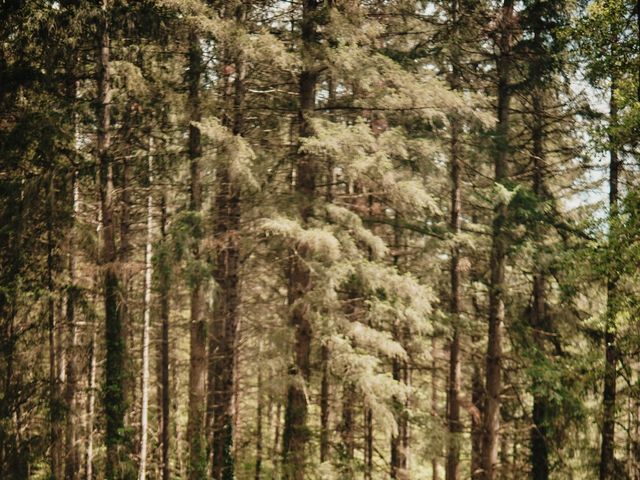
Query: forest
{"points": [[319, 239]]}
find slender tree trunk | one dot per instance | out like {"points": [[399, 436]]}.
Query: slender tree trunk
{"points": [[477, 397], [347, 429], [434, 403], [491, 442], [165, 285], [226, 269], [454, 424], [197, 330], [55, 407], [539, 447], [349, 398], [396, 453], [276, 452], [72, 452], [368, 443], [114, 399], [324, 405], [259, 439], [71, 449], [607, 458], [405, 427], [325, 354], [91, 402], [398, 458], [124, 265], [144, 420], [296, 433]]}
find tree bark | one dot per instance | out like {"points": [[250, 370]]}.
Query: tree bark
{"points": [[454, 424], [368, 443], [71, 450], [607, 457], [226, 267], [435, 473], [148, 270], [259, 439], [324, 405], [164, 397], [296, 434], [114, 399], [347, 429], [276, 451], [55, 400], [91, 401], [491, 424], [539, 446], [197, 329]]}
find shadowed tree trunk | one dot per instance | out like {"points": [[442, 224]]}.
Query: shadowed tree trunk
{"points": [[91, 402], [72, 452], [164, 289], [607, 452], [146, 327], [434, 404], [368, 443], [222, 348], [72, 461], [454, 424], [324, 405], [114, 398], [296, 433], [539, 447], [55, 400], [493, 386], [259, 421], [477, 393], [197, 330]]}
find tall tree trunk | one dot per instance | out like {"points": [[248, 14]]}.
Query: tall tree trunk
{"points": [[72, 452], [607, 458], [114, 400], [324, 405], [71, 449], [164, 288], [398, 461], [296, 433], [325, 354], [434, 404], [398, 458], [405, 431], [197, 330], [490, 444], [453, 391], [347, 429], [276, 451], [259, 415], [477, 393], [91, 402], [55, 407], [368, 443], [226, 268], [144, 417], [124, 265], [539, 447]]}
